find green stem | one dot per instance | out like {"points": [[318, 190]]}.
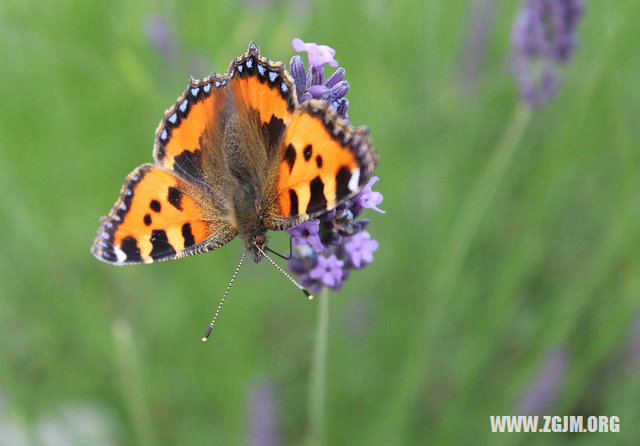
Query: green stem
{"points": [[476, 203], [129, 368], [318, 374]]}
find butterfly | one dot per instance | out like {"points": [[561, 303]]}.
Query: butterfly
{"points": [[237, 154]]}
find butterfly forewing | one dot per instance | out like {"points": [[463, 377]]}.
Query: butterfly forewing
{"points": [[264, 97]]}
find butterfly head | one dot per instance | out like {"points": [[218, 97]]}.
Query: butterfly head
{"points": [[255, 241]]}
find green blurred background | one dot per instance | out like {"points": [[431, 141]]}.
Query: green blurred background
{"points": [[506, 279]]}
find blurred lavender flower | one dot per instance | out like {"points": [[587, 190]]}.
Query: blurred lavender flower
{"points": [[540, 394], [358, 319], [336, 234], [475, 53], [162, 37], [310, 85], [263, 420], [633, 348], [544, 37]]}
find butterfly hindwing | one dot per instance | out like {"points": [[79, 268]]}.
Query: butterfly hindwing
{"points": [[323, 162], [157, 217]]}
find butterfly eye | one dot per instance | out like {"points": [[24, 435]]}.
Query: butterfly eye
{"points": [[260, 240]]}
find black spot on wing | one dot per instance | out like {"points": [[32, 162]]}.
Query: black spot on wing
{"points": [[317, 202], [130, 247], [175, 197], [290, 156], [319, 161], [272, 132], [155, 205], [293, 198], [161, 246], [188, 235], [147, 219], [307, 152], [189, 164], [342, 182]]}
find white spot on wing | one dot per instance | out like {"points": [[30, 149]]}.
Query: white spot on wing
{"points": [[206, 88], [249, 63], [183, 106], [272, 75], [261, 70], [284, 87], [122, 257], [195, 91], [240, 67], [163, 135], [173, 118], [353, 181], [217, 83]]}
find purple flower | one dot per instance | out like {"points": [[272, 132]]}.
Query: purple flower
{"points": [[633, 348], [544, 37], [329, 272], [310, 85], [540, 394], [160, 34], [318, 54], [482, 18], [307, 233], [368, 199], [263, 419], [360, 249]]}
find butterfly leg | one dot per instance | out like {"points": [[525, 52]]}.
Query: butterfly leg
{"points": [[280, 255]]}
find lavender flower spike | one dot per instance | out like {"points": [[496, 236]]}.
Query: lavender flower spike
{"points": [[318, 54], [544, 389], [544, 37], [329, 247]]}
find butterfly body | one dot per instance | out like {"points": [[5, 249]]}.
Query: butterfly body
{"points": [[235, 155]]}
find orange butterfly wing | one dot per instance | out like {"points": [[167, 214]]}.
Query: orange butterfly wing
{"points": [[157, 217], [323, 162]]}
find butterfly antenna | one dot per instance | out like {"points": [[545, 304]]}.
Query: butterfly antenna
{"points": [[215, 316], [286, 274]]}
